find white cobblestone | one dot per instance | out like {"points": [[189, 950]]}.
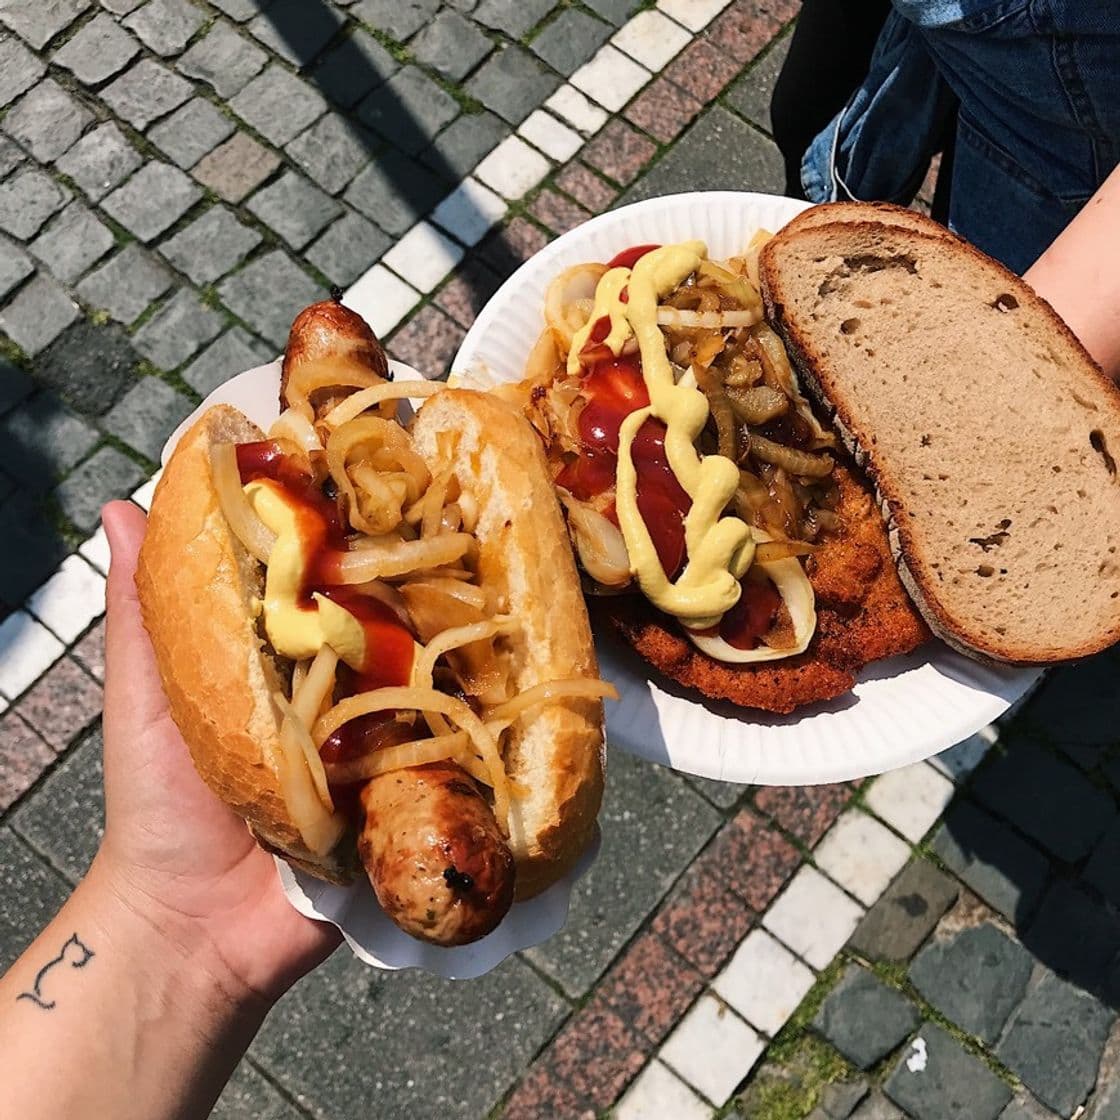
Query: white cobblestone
{"points": [[958, 762], [512, 168], [652, 39], [96, 551], [764, 982], [27, 650], [571, 105], [610, 78], [712, 1049], [693, 14], [423, 256], [547, 134], [142, 496], [659, 1093], [910, 800], [861, 855], [71, 599], [382, 299], [469, 211], [813, 917]]}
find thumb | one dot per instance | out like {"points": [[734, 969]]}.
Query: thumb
{"points": [[133, 693]]}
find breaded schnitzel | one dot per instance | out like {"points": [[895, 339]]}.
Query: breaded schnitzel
{"points": [[863, 614]]}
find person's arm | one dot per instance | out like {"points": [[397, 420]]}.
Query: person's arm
{"points": [[1079, 275], [141, 996]]}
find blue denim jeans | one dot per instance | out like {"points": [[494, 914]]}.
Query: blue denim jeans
{"points": [[1034, 86]]}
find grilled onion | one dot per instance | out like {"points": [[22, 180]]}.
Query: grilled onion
{"points": [[247, 527]]}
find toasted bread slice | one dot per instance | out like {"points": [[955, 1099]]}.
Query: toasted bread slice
{"points": [[987, 429]]}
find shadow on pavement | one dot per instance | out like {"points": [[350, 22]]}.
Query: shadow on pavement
{"points": [[347, 67]]}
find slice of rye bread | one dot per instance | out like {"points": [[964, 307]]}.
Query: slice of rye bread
{"points": [[987, 429], [885, 212]]}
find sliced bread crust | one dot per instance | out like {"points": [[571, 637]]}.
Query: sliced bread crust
{"points": [[986, 427]]}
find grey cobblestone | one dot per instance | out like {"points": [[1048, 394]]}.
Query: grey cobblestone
{"points": [[409, 109], [1054, 1042], [146, 415], [73, 242], [121, 7], [950, 1085], [156, 197], [32, 548], [240, 10], [331, 152], [19, 69], [512, 83], [223, 58], [37, 22], [191, 132], [278, 105], [570, 40], [906, 913], [105, 475], [864, 1019], [248, 1094], [347, 249], [64, 819], [15, 267], [211, 245], [27, 201], [877, 1107], [236, 168], [40, 312], [399, 19], [146, 92], [514, 17], [90, 366], [230, 354], [47, 121], [617, 11], [975, 979], [42, 439], [178, 330], [100, 49], [459, 148], [451, 45], [166, 26], [1103, 868], [295, 30], [14, 385], [10, 156], [394, 192], [125, 285], [350, 70], [751, 94], [30, 894], [268, 293], [100, 161], [294, 208]]}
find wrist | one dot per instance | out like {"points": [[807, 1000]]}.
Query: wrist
{"points": [[176, 956]]}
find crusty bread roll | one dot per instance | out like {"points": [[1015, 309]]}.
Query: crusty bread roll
{"points": [[197, 585], [987, 429], [525, 555]]}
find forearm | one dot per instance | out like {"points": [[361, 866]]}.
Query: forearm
{"points": [[1080, 277], [132, 1019]]}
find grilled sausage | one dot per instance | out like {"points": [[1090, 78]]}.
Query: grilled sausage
{"points": [[434, 853]]}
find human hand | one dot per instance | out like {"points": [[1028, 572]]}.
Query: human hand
{"points": [[173, 851]]}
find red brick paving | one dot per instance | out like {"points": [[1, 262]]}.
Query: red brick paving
{"points": [[702, 70], [702, 920], [90, 651], [663, 110], [804, 812], [23, 757], [64, 700], [755, 859], [586, 187], [464, 295], [515, 243], [560, 214], [428, 341], [650, 987], [584, 1069], [619, 152], [748, 25]]}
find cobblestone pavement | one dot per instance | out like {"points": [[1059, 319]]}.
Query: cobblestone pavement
{"points": [[178, 178]]}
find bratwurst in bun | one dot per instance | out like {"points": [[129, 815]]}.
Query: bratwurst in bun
{"points": [[372, 637]]}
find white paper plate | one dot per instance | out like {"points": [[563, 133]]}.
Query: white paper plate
{"points": [[902, 710], [372, 937]]}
